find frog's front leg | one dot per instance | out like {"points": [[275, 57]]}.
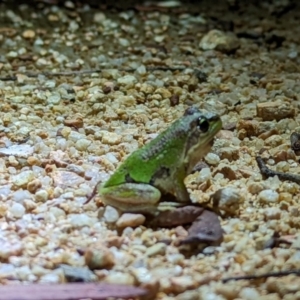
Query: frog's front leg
{"points": [[131, 197]]}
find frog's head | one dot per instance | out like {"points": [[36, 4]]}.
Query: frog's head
{"points": [[202, 127]]}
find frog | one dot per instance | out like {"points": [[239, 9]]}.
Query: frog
{"points": [[158, 169]]}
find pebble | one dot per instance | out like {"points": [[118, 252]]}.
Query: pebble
{"points": [[10, 248], [28, 34], [17, 210], [80, 220], [120, 278], [29, 205], [157, 249], [82, 144], [41, 196], [272, 213], [98, 258], [276, 110], [23, 178], [127, 80], [17, 150], [219, 40], [110, 138], [268, 196], [212, 158], [20, 195], [33, 185], [249, 293], [111, 215], [130, 220], [65, 179], [54, 99], [182, 283], [78, 274], [227, 199]]}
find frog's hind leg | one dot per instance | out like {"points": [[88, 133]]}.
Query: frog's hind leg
{"points": [[131, 197]]}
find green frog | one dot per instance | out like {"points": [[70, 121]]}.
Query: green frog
{"points": [[160, 166]]}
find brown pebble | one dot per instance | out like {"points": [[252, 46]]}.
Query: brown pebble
{"points": [[99, 258], [50, 168], [33, 161], [229, 153], [77, 122], [276, 110], [174, 100], [33, 185], [250, 126]]}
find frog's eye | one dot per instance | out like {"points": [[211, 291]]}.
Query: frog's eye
{"points": [[203, 124]]}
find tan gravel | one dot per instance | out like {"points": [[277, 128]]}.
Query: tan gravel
{"points": [[81, 88]]}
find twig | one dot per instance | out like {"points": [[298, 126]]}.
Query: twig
{"points": [[93, 194], [266, 275], [270, 173]]}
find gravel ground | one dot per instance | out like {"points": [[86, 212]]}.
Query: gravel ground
{"points": [[81, 88]]}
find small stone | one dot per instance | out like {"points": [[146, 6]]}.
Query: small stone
{"points": [[82, 144], [130, 220], [127, 80], [277, 110], [81, 220], [76, 169], [111, 138], [33, 185], [29, 205], [229, 153], [28, 34], [78, 274], [65, 179], [182, 283], [272, 213], [20, 195], [53, 277], [76, 122], [22, 178], [268, 196], [120, 278], [249, 293], [227, 199], [41, 196], [158, 248], [22, 150], [111, 215], [212, 158], [54, 99], [219, 40], [17, 210], [99, 258]]}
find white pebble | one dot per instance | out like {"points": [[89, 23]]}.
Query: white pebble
{"points": [[212, 158], [248, 293], [82, 144], [204, 175], [22, 178], [81, 220], [54, 99], [20, 196], [127, 80], [268, 196], [130, 220], [111, 215], [17, 210], [41, 196]]}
